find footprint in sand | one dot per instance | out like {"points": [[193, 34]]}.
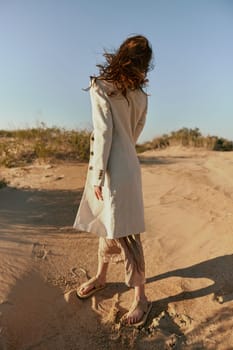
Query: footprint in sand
{"points": [[39, 251]]}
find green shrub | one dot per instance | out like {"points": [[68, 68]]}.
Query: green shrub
{"points": [[222, 144]]}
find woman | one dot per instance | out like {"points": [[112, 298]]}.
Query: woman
{"points": [[112, 201]]}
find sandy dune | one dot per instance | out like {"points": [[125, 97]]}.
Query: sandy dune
{"points": [[188, 197]]}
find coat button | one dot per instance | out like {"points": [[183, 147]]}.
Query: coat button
{"points": [[90, 167], [92, 138], [92, 153]]}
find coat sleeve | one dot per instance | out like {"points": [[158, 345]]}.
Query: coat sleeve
{"points": [[140, 125], [102, 133]]}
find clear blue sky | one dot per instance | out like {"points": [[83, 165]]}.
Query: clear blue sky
{"points": [[48, 49]]}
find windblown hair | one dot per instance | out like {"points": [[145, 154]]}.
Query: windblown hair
{"points": [[128, 66]]}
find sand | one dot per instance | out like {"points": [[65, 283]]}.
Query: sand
{"points": [[188, 197]]}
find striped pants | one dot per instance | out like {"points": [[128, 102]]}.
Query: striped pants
{"points": [[129, 249]]}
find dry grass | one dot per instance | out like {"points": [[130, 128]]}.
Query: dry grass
{"points": [[24, 146], [188, 138], [21, 147]]}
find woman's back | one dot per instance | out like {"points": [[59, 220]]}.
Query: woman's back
{"points": [[128, 113]]}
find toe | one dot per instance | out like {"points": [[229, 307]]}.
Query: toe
{"points": [[85, 290]]}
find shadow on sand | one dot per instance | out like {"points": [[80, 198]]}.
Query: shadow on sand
{"points": [[39, 316], [148, 161], [27, 209], [166, 160], [22, 210], [218, 269]]}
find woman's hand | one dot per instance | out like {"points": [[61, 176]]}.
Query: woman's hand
{"points": [[98, 192]]}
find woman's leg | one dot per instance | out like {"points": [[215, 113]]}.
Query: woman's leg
{"points": [[98, 281], [137, 313], [102, 271], [134, 274], [107, 247]]}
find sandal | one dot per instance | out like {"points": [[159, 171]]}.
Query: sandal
{"points": [[145, 306], [96, 287]]}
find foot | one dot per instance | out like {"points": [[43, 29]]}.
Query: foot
{"points": [[89, 287], [138, 312]]}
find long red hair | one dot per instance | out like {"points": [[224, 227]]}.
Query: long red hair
{"points": [[128, 66]]}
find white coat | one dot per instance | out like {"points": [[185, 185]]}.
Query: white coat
{"points": [[114, 164]]}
